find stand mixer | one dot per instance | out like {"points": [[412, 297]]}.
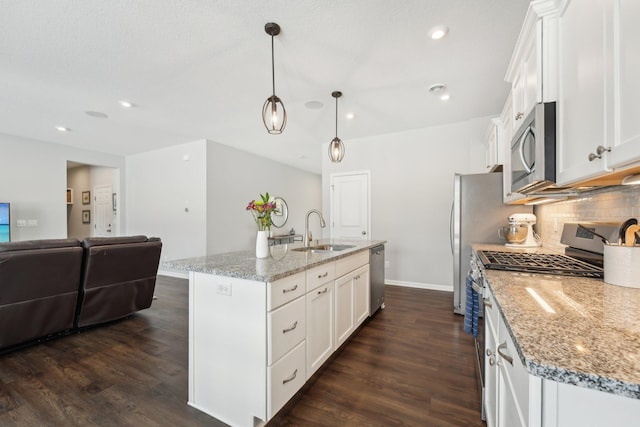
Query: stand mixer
{"points": [[516, 236]]}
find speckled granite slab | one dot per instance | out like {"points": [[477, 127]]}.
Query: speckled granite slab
{"points": [[591, 340], [283, 261]]}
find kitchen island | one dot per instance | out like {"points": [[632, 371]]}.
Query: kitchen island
{"points": [[575, 345], [260, 328]]}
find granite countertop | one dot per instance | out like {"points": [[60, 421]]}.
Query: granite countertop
{"points": [[283, 260], [591, 340]]}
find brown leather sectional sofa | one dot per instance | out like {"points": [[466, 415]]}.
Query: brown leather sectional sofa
{"points": [[57, 286]]}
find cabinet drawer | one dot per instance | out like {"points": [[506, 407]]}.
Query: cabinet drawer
{"points": [[350, 263], [516, 377], [285, 378], [320, 275], [285, 328], [285, 290]]}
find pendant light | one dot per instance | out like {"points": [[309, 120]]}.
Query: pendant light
{"points": [[274, 115], [336, 147]]}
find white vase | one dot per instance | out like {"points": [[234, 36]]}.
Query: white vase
{"points": [[262, 244]]}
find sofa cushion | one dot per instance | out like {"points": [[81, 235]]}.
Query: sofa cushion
{"points": [[103, 241], [38, 244]]}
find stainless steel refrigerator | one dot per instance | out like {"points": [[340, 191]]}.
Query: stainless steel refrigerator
{"points": [[476, 214]]}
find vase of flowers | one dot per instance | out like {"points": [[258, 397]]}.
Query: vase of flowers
{"points": [[261, 210]]}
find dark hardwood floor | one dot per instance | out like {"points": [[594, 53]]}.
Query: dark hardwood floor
{"points": [[409, 365]]}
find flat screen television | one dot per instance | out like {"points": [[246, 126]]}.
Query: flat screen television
{"points": [[5, 223]]}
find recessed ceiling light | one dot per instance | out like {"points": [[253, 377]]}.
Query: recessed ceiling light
{"points": [[441, 91], [126, 104], [314, 105], [349, 116], [437, 33], [63, 129], [96, 114]]}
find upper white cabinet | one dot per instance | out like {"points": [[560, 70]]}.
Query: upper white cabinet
{"points": [[598, 91], [626, 85], [532, 70], [493, 145]]}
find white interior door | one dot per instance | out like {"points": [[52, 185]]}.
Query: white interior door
{"points": [[350, 206], [103, 211]]}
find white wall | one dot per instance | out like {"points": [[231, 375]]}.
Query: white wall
{"points": [[166, 198], [234, 178], [33, 178], [412, 191], [214, 185]]}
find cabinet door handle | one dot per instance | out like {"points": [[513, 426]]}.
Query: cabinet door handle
{"points": [[284, 291], [295, 325], [323, 292], [321, 276], [487, 304], [291, 378], [506, 357]]}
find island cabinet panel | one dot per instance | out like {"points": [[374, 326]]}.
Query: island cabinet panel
{"points": [[227, 351], [570, 405]]}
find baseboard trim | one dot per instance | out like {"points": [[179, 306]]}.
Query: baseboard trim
{"points": [[430, 286]]}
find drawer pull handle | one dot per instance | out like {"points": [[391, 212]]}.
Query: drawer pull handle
{"points": [[487, 303], [323, 292], [284, 291], [291, 378], [322, 276], [506, 357], [295, 325]]}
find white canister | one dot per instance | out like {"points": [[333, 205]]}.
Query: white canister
{"points": [[622, 265]]}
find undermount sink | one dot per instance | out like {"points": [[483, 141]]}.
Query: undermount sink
{"points": [[324, 248]]}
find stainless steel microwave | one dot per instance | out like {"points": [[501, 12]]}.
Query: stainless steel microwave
{"points": [[533, 151]]}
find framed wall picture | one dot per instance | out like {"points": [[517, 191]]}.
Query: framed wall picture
{"points": [[86, 217], [86, 197]]}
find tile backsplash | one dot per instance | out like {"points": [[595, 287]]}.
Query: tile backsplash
{"points": [[613, 204]]}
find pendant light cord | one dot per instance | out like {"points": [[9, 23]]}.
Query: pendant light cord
{"points": [[273, 69], [336, 116]]}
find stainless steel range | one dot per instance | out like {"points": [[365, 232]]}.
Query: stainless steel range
{"points": [[538, 263], [583, 255]]}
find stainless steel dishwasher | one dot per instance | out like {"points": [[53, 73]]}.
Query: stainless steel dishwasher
{"points": [[376, 272]]}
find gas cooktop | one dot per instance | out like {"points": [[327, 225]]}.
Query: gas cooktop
{"points": [[538, 263]]}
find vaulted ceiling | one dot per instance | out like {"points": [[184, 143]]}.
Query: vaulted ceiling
{"points": [[199, 69]]}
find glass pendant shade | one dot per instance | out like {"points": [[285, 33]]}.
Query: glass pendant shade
{"points": [[336, 147], [274, 115], [336, 150]]}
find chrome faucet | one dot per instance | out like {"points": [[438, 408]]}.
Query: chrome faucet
{"points": [[307, 233]]}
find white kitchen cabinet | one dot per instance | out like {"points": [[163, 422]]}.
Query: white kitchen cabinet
{"points": [[352, 295], [582, 105], [361, 294], [252, 344], [626, 85], [598, 130], [320, 326], [344, 308], [493, 145], [512, 396]]}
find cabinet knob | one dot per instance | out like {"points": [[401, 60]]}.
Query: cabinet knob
{"points": [[600, 150], [486, 303], [519, 115]]}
